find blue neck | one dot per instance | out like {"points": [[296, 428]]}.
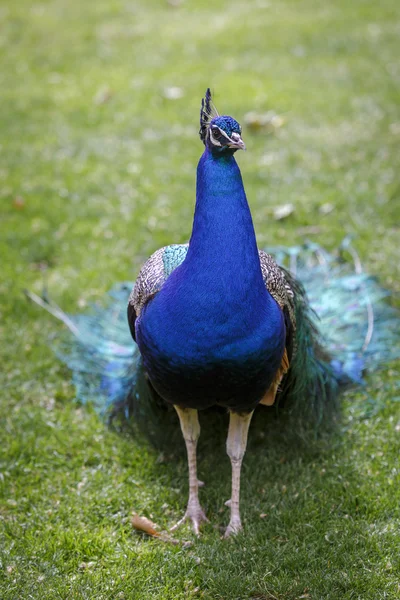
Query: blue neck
{"points": [[223, 242]]}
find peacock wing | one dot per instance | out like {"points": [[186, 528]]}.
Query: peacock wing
{"points": [[152, 277], [280, 286]]}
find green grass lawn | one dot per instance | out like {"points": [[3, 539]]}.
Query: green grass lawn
{"points": [[97, 170]]}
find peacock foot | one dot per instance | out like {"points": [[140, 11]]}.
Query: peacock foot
{"points": [[233, 528], [195, 514]]}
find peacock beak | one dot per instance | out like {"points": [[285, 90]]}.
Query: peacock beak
{"points": [[236, 142]]}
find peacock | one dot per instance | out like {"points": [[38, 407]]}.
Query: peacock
{"points": [[218, 322]]}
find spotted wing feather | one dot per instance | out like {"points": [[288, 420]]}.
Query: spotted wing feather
{"points": [[279, 286], [152, 277]]}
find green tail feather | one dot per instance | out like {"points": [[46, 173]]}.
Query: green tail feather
{"points": [[310, 390]]}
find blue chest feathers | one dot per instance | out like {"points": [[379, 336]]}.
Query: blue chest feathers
{"points": [[197, 357]]}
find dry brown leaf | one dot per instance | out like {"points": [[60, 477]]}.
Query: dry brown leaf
{"points": [[269, 121], [18, 202], [103, 95], [172, 92], [327, 208], [144, 524], [283, 211]]}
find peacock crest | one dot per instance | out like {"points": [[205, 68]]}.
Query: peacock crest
{"points": [[207, 113]]}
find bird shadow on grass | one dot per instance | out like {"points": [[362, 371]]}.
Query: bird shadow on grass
{"points": [[276, 443]]}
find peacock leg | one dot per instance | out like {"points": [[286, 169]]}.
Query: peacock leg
{"points": [[236, 447], [191, 431]]}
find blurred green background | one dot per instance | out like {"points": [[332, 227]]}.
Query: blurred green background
{"points": [[98, 140]]}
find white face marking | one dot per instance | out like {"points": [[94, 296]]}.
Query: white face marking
{"points": [[213, 140], [222, 132]]}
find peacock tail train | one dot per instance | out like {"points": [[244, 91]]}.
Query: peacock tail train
{"points": [[344, 326]]}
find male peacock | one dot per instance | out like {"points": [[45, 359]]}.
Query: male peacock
{"points": [[218, 322]]}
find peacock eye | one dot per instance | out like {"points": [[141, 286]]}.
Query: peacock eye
{"points": [[216, 132]]}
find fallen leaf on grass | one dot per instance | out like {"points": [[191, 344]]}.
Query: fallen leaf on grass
{"points": [[173, 92], [146, 526], [326, 208], [268, 121], [18, 202], [103, 95], [281, 212]]}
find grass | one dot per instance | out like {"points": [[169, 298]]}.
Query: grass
{"points": [[97, 170]]}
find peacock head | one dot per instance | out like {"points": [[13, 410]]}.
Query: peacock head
{"points": [[221, 134]]}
